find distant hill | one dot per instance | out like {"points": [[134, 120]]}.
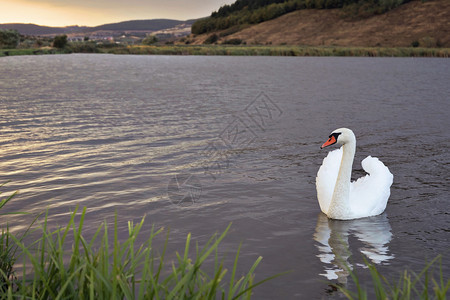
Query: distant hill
{"points": [[419, 23], [33, 29], [138, 25], [154, 25]]}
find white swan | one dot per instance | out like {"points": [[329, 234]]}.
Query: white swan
{"points": [[342, 200]]}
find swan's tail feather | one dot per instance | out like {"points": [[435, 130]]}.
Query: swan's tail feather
{"points": [[377, 169], [371, 192]]}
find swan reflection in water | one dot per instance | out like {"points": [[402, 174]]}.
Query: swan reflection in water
{"points": [[334, 250]]}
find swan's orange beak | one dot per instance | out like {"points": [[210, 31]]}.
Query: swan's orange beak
{"points": [[331, 141]]}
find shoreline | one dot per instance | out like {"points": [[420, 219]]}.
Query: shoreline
{"points": [[253, 50]]}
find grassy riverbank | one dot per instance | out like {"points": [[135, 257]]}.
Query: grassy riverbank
{"points": [[280, 51], [31, 51], [243, 50]]}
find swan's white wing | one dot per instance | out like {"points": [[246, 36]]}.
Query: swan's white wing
{"points": [[369, 194], [326, 178]]}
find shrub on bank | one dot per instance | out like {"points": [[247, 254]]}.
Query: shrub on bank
{"points": [[83, 47], [9, 39], [60, 41], [233, 42], [211, 39]]}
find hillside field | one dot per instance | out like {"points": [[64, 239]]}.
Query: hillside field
{"points": [[422, 23]]}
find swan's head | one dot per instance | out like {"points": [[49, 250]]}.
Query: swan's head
{"points": [[340, 136]]}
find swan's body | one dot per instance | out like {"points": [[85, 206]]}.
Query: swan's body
{"points": [[344, 200]]}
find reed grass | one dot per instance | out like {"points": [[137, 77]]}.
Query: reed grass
{"points": [[8, 249], [7, 260], [30, 51], [64, 265], [410, 285], [241, 50], [259, 50], [6, 200]]}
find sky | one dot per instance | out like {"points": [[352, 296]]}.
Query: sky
{"points": [[98, 12]]}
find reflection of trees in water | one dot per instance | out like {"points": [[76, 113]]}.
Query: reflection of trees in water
{"points": [[335, 251]]}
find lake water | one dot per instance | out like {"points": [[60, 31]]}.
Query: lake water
{"points": [[195, 143]]}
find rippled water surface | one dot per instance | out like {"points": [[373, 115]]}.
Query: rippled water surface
{"points": [[195, 143]]}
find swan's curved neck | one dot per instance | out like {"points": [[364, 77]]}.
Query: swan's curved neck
{"points": [[340, 202]]}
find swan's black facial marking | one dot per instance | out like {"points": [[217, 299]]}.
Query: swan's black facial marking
{"points": [[336, 134], [332, 139]]}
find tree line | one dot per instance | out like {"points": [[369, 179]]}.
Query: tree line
{"points": [[256, 11], [12, 39]]}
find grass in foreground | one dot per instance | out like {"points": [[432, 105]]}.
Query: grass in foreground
{"points": [[7, 248], [409, 286], [105, 268]]}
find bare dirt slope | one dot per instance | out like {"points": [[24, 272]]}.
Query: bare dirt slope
{"points": [[425, 22]]}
